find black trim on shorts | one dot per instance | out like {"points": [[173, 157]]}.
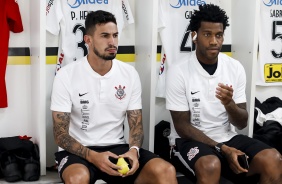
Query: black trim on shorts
{"points": [[95, 173]]}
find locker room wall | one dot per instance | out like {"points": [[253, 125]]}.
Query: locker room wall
{"points": [[29, 84], [16, 117], [25, 76], [244, 48]]}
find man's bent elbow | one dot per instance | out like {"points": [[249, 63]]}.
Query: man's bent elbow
{"points": [[242, 125]]}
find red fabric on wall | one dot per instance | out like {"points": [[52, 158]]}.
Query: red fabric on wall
{"points": [[10, 20]]}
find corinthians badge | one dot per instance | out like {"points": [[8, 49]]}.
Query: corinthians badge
{"points": [[120, 94]]}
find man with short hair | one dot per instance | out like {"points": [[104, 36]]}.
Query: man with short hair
{"points": [[206, 98], [90, 100]]}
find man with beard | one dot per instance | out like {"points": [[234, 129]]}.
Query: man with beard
{"points": [[90, 100]]}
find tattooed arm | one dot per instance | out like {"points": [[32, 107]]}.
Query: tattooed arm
{"points": [[135, 127], [61, 123], [134, 118]]}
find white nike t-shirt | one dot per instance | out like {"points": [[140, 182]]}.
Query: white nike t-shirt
{"points": [[97, 104], [191, 88]]}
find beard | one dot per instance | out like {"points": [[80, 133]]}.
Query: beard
{"points": [[103, 56]]}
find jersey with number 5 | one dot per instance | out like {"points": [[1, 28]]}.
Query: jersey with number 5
{"points": [[67, 17], [270, 44]]}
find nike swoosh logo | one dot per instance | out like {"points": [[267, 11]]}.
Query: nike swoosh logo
{"points": [[80, 95], [192, 93]]}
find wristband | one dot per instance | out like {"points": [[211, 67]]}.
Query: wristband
{"points": [[218, 147], [137, 149]]}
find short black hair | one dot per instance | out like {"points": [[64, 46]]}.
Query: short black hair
{"points": [[208, 13], [97, 17]]}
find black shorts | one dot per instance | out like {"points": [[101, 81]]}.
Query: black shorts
{"points": [[64, 159], [188, 152]]}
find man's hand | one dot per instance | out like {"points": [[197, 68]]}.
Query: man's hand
{"points": [[102, 162], [132, 156], [224, 93], [231, 154]]}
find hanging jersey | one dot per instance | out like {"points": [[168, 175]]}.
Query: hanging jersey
{"points": [[67, 17], [174, 19], [270, 44], [10, 20]]}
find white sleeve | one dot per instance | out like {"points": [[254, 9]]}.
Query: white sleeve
{"points": [[127, 14], [61, 98], [240, 90], [176, 99], [161, 15], [135, 99], [53, 16]]}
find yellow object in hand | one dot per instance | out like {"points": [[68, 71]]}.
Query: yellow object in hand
{"points": [[124, 165]]}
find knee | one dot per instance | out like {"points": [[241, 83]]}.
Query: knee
{"points": [[165, 170], [78, 176], [208, 165], [269, 159]]}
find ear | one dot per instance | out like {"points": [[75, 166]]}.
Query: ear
{"points": [[87, 39], [194, 35]]}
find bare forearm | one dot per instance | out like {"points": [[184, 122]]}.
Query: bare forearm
{"points": [[192, 133], [185, 129], [136, 134], [62, 137], [237, 113]]}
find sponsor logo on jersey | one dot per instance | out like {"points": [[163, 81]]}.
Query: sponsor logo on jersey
{"points": [[194, 92], [180, 3], [80, 95], [48, 7], [272, 2], [120, 94], [84, 101], [273, 72], [195, 99], [192, 153], [78, 3], [125, 11], [162, 67]]}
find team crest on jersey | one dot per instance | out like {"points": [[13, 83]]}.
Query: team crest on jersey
{"points": [[162, 67], [120, 94], [192, 153]]}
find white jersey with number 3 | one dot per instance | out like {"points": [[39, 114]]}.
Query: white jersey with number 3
{"points": [[67, 17]]}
